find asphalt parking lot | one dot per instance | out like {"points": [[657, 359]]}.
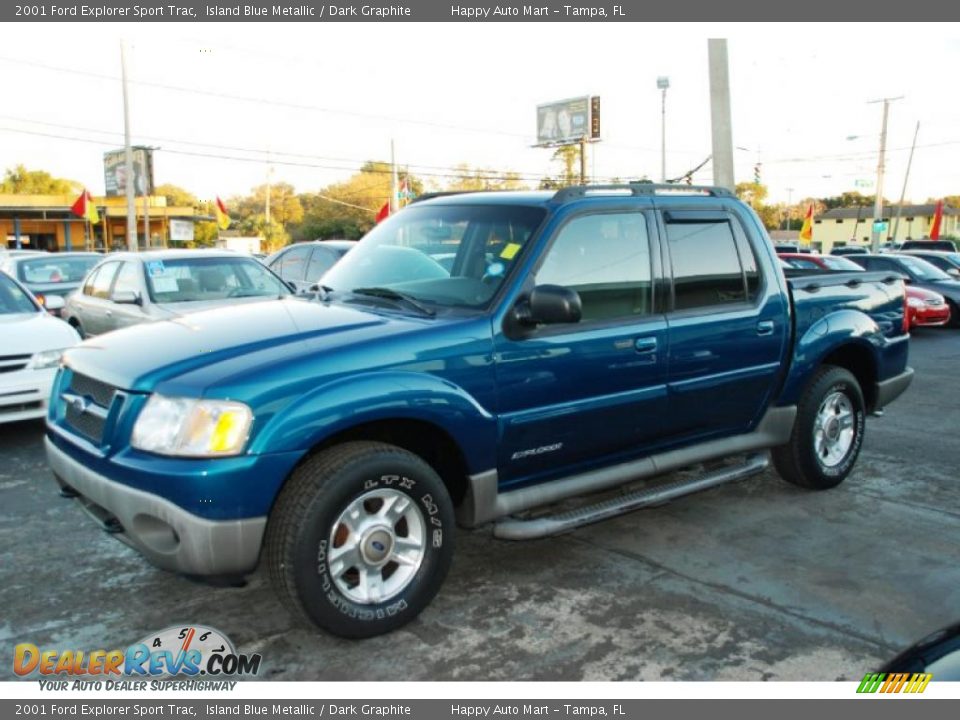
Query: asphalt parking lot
{"points": [[752, 581]]}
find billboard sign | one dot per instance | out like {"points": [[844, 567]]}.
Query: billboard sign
{"points": [[115, 172], [567, 121], [181, 230]]}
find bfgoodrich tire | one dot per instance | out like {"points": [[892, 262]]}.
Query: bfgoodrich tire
{"points": [[828, 432], [360, 539]]}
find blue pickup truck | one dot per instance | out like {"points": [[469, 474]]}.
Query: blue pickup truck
{"points": [[476, 356]]}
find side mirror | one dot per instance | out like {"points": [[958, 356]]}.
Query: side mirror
{"points": [[550, 305], [126, 297], [53, 303]]}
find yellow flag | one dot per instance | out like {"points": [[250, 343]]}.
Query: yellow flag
{"points": [[806, 232]]}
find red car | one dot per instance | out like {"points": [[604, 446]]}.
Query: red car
{"points": [[925, 308], [808, 261]]}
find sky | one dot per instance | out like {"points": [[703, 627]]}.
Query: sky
{"points": [[224, 102]]}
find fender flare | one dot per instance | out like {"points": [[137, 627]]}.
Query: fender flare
{"points": [[368, 397]]}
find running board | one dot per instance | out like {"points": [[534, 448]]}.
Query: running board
{"points": [[520, 529]]}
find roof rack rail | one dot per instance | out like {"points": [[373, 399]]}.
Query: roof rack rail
{"points": [[639, 189], [445, 193]]}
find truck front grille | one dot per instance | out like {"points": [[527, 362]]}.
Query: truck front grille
{"points": [[86, 404]]}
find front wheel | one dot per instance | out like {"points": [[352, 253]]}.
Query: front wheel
{"points": [[827, 434], [360, 539]]}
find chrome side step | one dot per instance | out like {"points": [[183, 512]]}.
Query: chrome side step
{"points": [[521, 529]]}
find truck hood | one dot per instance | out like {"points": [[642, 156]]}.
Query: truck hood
{"points": [[265, 333]]}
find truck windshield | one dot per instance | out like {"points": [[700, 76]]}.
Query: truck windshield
{"points": [[443, 255]]}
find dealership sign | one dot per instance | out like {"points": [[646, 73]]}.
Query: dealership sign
{"points": [[115, 172], [568, 121]]}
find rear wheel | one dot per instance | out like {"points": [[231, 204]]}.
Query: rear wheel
{"points": [[827, 434], [78, 327], [360, 539]]}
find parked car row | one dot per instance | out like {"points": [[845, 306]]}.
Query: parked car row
{"points": [[95, 293], [931, 277]]}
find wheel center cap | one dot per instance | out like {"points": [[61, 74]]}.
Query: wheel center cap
{"points": [[377, 546], [833, 429]]}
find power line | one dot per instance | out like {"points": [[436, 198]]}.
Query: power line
{"points": [[479, 175], [261, 101], [269, 154]]}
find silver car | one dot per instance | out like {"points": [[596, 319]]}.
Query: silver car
{"points": [[130, 288]]}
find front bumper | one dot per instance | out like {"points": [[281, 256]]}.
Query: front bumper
{"points": [[889, 390], [169, 536], [24, 394]]}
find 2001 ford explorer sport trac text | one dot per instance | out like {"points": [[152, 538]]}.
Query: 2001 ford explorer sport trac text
{"points": [[475, 356]]}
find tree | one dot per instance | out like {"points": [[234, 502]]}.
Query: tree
{"points": [[754, 194], [850, 199], [20, 181], [569, 158], [479, 179], [285, 206], [348, 209], [176, 196]]}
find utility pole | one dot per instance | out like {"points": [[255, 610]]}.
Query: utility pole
{"points": [[903, 192], [583, 160], [878, 203], [721, 124], [663, 82], [128, 162]]}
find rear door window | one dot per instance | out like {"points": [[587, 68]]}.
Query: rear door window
{"points": [[712, 266]]}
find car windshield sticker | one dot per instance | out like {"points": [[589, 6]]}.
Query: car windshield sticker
{"points": [[509, 251], [495, 270], [155, 268], [165, 285]]}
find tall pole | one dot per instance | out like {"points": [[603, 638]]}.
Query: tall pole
{"points": [[663, 82], [878, 202], [721, 124], [131, 207], [786, 225], [906, 176], [394, 184], [583, 160]]}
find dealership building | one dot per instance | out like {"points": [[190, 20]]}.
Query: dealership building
{"points": [[852, 226], [45, 222]]}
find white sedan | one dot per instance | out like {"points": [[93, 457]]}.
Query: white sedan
{"points": [[31, 344]]}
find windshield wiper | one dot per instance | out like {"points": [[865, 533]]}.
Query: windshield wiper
{"points": [[400, 297]]}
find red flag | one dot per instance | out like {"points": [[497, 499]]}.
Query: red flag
{"points": [[935, 225], [383, 213], [220, 211], [84, 207]]}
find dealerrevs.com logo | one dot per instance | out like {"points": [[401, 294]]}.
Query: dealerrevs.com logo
{"points": [[177, 652]]}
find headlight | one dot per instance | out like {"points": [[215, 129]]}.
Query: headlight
{"points": [[192, 428], [45, 359], [915, 302]]}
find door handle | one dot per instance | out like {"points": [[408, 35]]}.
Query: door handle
{"points": [[765, 327], [109, 313], [645, 346]]}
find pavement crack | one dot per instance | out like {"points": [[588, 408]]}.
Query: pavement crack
{"points": [[880, 644]]}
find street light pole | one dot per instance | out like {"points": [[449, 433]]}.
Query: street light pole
{"points": [[663, 82], [878, 202], [128, 155]]}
